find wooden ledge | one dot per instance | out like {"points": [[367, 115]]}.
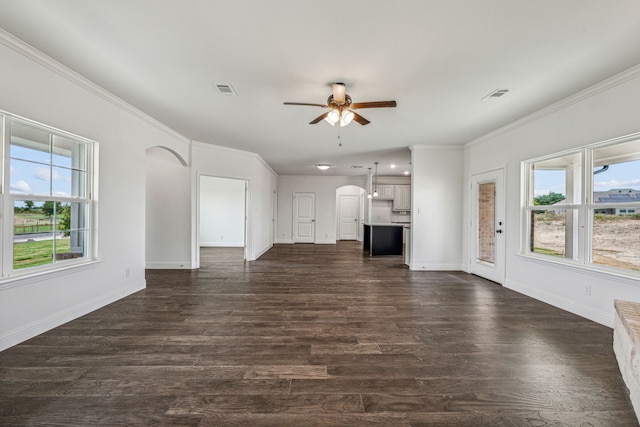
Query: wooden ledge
{"points": [[629, 313], [626, 346]]}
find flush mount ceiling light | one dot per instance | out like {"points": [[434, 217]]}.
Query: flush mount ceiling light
{"points": [[323, 166], [341, 107]]}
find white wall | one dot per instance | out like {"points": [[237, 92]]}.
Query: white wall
{"points": [[605, 111], [325, 189], [168, 211], [221, 212], [436, 207], [36, 87]]}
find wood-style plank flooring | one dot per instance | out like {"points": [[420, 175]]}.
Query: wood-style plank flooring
{"points": [[317, 335]]}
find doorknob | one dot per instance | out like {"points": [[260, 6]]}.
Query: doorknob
{"points": [[498, 231]]}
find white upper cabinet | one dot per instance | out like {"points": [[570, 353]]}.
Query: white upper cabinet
{"points": [[402, 198], [385, 191]]}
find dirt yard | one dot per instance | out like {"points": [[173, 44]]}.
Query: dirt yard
{"points": [[616, 239]]}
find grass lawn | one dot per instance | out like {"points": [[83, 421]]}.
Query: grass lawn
{"points": [[31, 254]]}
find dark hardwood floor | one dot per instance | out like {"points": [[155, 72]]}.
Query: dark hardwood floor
{"points": [[317, 335]]}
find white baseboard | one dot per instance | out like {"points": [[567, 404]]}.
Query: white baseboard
{"points": [[186, 265], [264, 251], [435, 267], [40, 326], [285, 241], [221, 244], [598, 316], [325, 242]]}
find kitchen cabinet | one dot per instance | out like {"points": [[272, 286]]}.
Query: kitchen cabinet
{"points": [[402, 198], [385, 191]]}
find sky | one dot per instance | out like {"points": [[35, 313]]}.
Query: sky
{"points": [[44, 175], [619, 175]]}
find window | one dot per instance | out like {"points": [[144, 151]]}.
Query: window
{"points": [[47, 204], [580, 206]]}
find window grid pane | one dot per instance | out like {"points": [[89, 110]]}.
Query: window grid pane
{"points": [[616, 239]]}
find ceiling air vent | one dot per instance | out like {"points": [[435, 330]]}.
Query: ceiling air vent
{"points": [[226, 90], [356, 167], [496, 94]]}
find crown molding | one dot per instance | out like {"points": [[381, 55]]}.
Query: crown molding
{"points": [[611, 82], [417, 147], [235, 151], [12, 42]]}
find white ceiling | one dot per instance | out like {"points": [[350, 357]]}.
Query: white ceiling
{"points": [[436, 58]]}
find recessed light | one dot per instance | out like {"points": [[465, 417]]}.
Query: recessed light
{"points": [[393, 166], [406, 172], [323, 166]]}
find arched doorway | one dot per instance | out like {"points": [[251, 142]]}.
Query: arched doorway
{"points": [[167, 225]]}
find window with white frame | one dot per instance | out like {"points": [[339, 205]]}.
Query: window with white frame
{"points": [[580, 206], [47, 210]]}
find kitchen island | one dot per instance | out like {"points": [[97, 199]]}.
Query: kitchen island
{"points": [[383, 238]]}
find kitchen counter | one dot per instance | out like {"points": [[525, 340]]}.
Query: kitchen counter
{"points": [[383, 238]]}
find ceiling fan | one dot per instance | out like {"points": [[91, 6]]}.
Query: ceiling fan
{"points": [[341, 107]]}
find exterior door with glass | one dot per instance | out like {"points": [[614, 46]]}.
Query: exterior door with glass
{"points": [[488, 226]]}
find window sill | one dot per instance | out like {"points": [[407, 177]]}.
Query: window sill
{"points": [[25, 278], [630, 278]]}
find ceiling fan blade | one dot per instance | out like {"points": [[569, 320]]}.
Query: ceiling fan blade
{"points": [[375, 104], [305, 103], [358, 118], [319, 118]]}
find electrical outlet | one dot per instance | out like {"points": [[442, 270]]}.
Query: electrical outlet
{"points": [[587, 290], [127, 272]]}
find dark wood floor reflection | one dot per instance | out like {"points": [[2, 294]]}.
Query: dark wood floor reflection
{"points": [[317, 335]]}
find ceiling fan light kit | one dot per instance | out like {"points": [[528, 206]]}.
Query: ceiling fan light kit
{"points": [[323, 166], [341, 107]]}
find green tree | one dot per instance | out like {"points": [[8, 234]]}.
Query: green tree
{"points": [[48, 208], [548, 199], [65, 221], [28, 204]]}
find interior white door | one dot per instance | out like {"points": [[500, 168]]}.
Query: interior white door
{"points": [[304, 217], [348, 217], [488, 225]]}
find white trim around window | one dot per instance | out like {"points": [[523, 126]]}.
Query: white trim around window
{"points": [[581, 207], [48, 215]]}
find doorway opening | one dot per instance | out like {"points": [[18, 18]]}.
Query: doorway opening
{"points": [[222, 225]]}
